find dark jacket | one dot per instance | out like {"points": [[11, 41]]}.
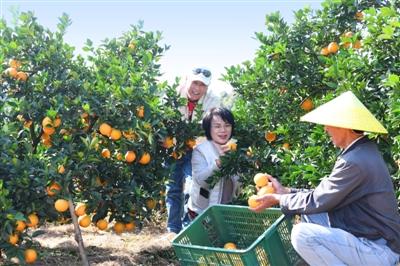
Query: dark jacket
{"points": [[358, 196]]}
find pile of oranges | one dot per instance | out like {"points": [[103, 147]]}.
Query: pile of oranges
{"points": [[263, 186]]}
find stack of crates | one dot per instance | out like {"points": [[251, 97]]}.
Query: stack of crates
{"points": [[261, 238]]}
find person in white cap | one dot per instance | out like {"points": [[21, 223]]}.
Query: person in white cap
{"points": [[195, 89], [351, 217]]}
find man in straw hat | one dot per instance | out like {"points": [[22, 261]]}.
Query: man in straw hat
{"points": [[351, 217]]}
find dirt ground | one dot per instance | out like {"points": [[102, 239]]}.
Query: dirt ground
{"points": [[148, 246]]}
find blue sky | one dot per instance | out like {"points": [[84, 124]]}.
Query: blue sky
{"points": [[208, 33]]}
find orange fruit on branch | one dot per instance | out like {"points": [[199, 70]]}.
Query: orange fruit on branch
{"points": [[145, 159], [30, 256], [61, 205]]}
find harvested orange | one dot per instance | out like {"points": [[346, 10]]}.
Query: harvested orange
{"points": [[80, 209], [30, 255], [105, 129], [102, 224], [230, 245], [333, 47], [53, 189], [119, 227], [252, 201], [261, 179], [106, 153], [268, 189], [130, 156], [84, 221], [307, 104], [33, 220], [270, 136], [61, 205], [145, 159]]}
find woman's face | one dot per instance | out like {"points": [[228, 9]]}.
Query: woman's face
{"points": [[221, 131]]}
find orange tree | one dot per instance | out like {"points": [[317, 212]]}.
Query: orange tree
{"points": [[342, 46], [101, 130]]}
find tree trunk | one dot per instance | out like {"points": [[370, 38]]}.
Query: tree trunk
{"points": [[78, 234]]}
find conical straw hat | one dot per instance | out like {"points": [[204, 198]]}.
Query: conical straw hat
{"points": [[345, 111]]}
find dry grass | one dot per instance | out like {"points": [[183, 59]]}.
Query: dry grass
{"points": [[148, 246]]}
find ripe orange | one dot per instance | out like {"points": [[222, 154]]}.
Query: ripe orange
{"points": [[33, 220], [232, 146], [270, 136], [14, 63], [61, 169], [286, 146], [49, 130], [30, 255], [268, 189], [53, 189], [333, 47], [61, 205], [348, 34], [307, 104], [102, 224], [12, 72], [115, 134], [190, 143], [20, 226], [47, 122], [130, 226], [105, 129], [22, 76], [140, 111], [106, 153], [80, 209], [13, 239], [84, 221], [252, 201], [176, 155], [168, 142], [150, 203], [47, 142], [324, 51], [357, 44], [27, 123], [261, 179], [230, 245], [359, 15], [130, 156], [132, 46], [145, 159], [57, 122], [119, 227]]}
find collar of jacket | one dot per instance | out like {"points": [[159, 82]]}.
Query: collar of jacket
{"points": [[362, 140]]}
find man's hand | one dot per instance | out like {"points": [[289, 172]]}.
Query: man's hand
{"points": [[266, 201], [279, 189]]}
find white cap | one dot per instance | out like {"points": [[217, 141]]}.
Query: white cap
{"points": [[200, 74]]}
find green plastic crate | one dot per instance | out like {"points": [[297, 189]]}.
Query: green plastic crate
{"points": [[261, 238]]}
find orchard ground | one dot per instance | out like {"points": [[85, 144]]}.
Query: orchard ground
{"points": [[148, 246]]}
